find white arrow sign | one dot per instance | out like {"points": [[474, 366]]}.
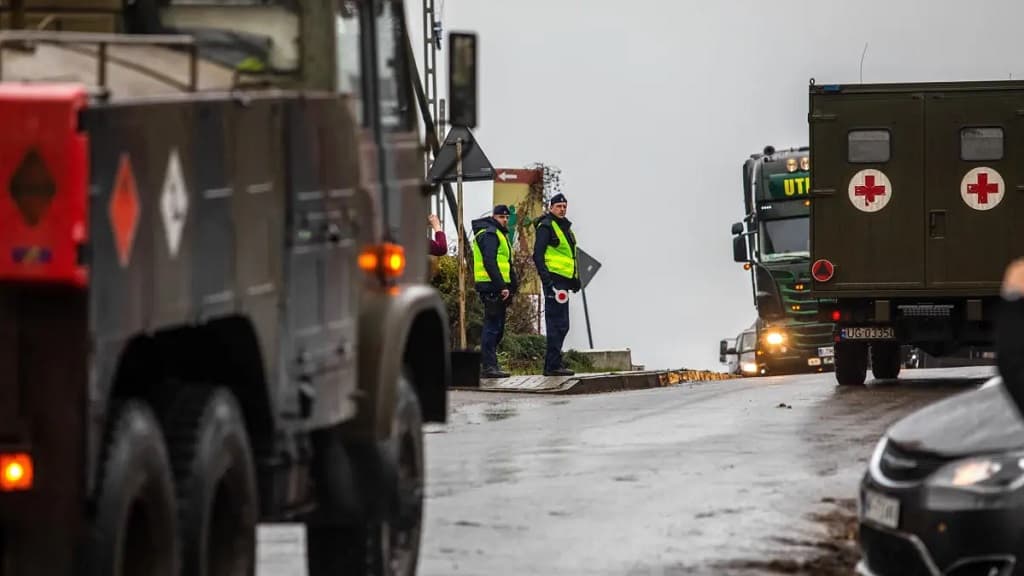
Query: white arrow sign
{"points": [[505, 176], [174, 203]]}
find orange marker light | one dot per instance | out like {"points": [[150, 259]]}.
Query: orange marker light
{"points": [[386, 260], [16, 472], [746, 266]]}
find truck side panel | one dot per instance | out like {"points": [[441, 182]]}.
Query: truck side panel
{"points": [[870, 250], [973, 148]]}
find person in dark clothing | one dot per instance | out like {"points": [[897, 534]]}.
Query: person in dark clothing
{"points": [[496, 283], [554, 254], [1009, 333]]}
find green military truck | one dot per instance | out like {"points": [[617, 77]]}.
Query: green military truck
{"points": [[912, 223], [772, 241], [213, 306]]}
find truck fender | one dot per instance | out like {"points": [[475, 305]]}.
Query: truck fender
{"points": [[404, 328]]}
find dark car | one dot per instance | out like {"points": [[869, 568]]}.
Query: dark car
{"points": [[943, 492]]}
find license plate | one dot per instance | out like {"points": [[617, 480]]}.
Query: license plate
{"points": [[881, 509], [826, 351], [814, 361], [868, 333]]}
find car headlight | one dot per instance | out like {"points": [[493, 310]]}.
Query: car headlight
{"points": [[774, 338], [982, 473]]}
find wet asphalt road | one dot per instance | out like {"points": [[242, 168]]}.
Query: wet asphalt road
{"points": [[736, 477]]}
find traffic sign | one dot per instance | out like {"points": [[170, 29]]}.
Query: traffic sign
{"points": [[475, 165], [870, 190], [588, 267], [982, 188]]}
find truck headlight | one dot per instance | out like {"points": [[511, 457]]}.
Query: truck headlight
{"points": [[774, 338], [982, 473], [749, 368]]}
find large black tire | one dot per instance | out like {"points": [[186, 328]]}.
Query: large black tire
{"points": [[851, 363], [218, 504], [391, 547], [134, 530], [885, 360]]}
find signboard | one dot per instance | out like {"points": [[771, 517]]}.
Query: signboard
{"points": [[588, 266], [786, 185], [462, 81], [512, 188]]}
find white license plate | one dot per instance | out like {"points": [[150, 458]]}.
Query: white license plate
{"points": [[814, 361], [881, 509], [868, 333], [826, 351]]}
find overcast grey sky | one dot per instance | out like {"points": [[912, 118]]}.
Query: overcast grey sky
{"points": [[649, 108]]}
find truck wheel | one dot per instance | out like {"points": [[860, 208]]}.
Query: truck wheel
{"points": [[391, 547], [851, 363], [134, 530], [216, 482], [885, 360]]}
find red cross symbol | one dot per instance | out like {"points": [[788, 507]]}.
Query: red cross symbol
{"points": [[983, 188], [869, 190]]}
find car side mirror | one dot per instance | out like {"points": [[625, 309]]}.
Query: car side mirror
{"points": [[739, 249], [737, 228]]}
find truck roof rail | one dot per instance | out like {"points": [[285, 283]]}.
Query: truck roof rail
{"points": [[102, 40]]}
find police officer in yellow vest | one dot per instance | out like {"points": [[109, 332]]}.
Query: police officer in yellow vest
{"points": [[554, 254], [496, 283]]}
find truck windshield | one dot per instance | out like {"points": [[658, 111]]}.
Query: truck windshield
{"points": [[783, 239]]}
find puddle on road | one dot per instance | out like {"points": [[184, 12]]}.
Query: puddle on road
{"points": [[497, 413], [836, 554]]}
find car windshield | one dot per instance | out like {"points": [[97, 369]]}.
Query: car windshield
{"points": [[783, 239]]}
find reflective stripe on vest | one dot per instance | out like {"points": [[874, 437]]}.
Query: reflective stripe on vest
{"points": [[560, 259], [504, 259]]}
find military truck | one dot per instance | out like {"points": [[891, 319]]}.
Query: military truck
{"points": [[213, 309], [772, 241], [912, 223]]}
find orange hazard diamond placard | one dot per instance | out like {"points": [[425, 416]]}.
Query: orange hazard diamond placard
{"points": [[124, 210]]}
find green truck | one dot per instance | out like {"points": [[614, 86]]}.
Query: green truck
{"points": [[772, 242], [912, 223]]}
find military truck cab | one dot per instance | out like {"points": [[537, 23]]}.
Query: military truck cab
{"points": [[915, 209]]}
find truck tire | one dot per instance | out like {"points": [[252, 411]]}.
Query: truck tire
{"points": [[851, 363], [885, 360], [134, 529], [391, 547], [218, 506]]}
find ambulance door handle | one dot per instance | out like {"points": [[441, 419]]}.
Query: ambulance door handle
{"points": [[937, 223]]}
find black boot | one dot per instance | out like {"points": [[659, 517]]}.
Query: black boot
{"points": [[559, 372], [493, 372]]}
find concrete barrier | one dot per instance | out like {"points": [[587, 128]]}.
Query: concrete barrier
{"points": [[611, 360]]}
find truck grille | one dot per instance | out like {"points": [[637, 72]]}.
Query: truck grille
{"points": [[904, 466]]}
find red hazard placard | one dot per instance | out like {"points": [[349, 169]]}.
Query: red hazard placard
{"points": [[823, 270], [124, 210]]}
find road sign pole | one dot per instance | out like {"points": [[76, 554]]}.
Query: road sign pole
{"points": [[462, 248], [586, 315]]}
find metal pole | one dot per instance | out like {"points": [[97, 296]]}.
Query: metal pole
{"points": [[586, 314], [462, 249]]}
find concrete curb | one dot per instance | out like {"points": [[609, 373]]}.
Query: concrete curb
{"points": [[594, 383]]}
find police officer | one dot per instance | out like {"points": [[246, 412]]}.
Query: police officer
{"points": [[554, 254], [496, 283]]}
